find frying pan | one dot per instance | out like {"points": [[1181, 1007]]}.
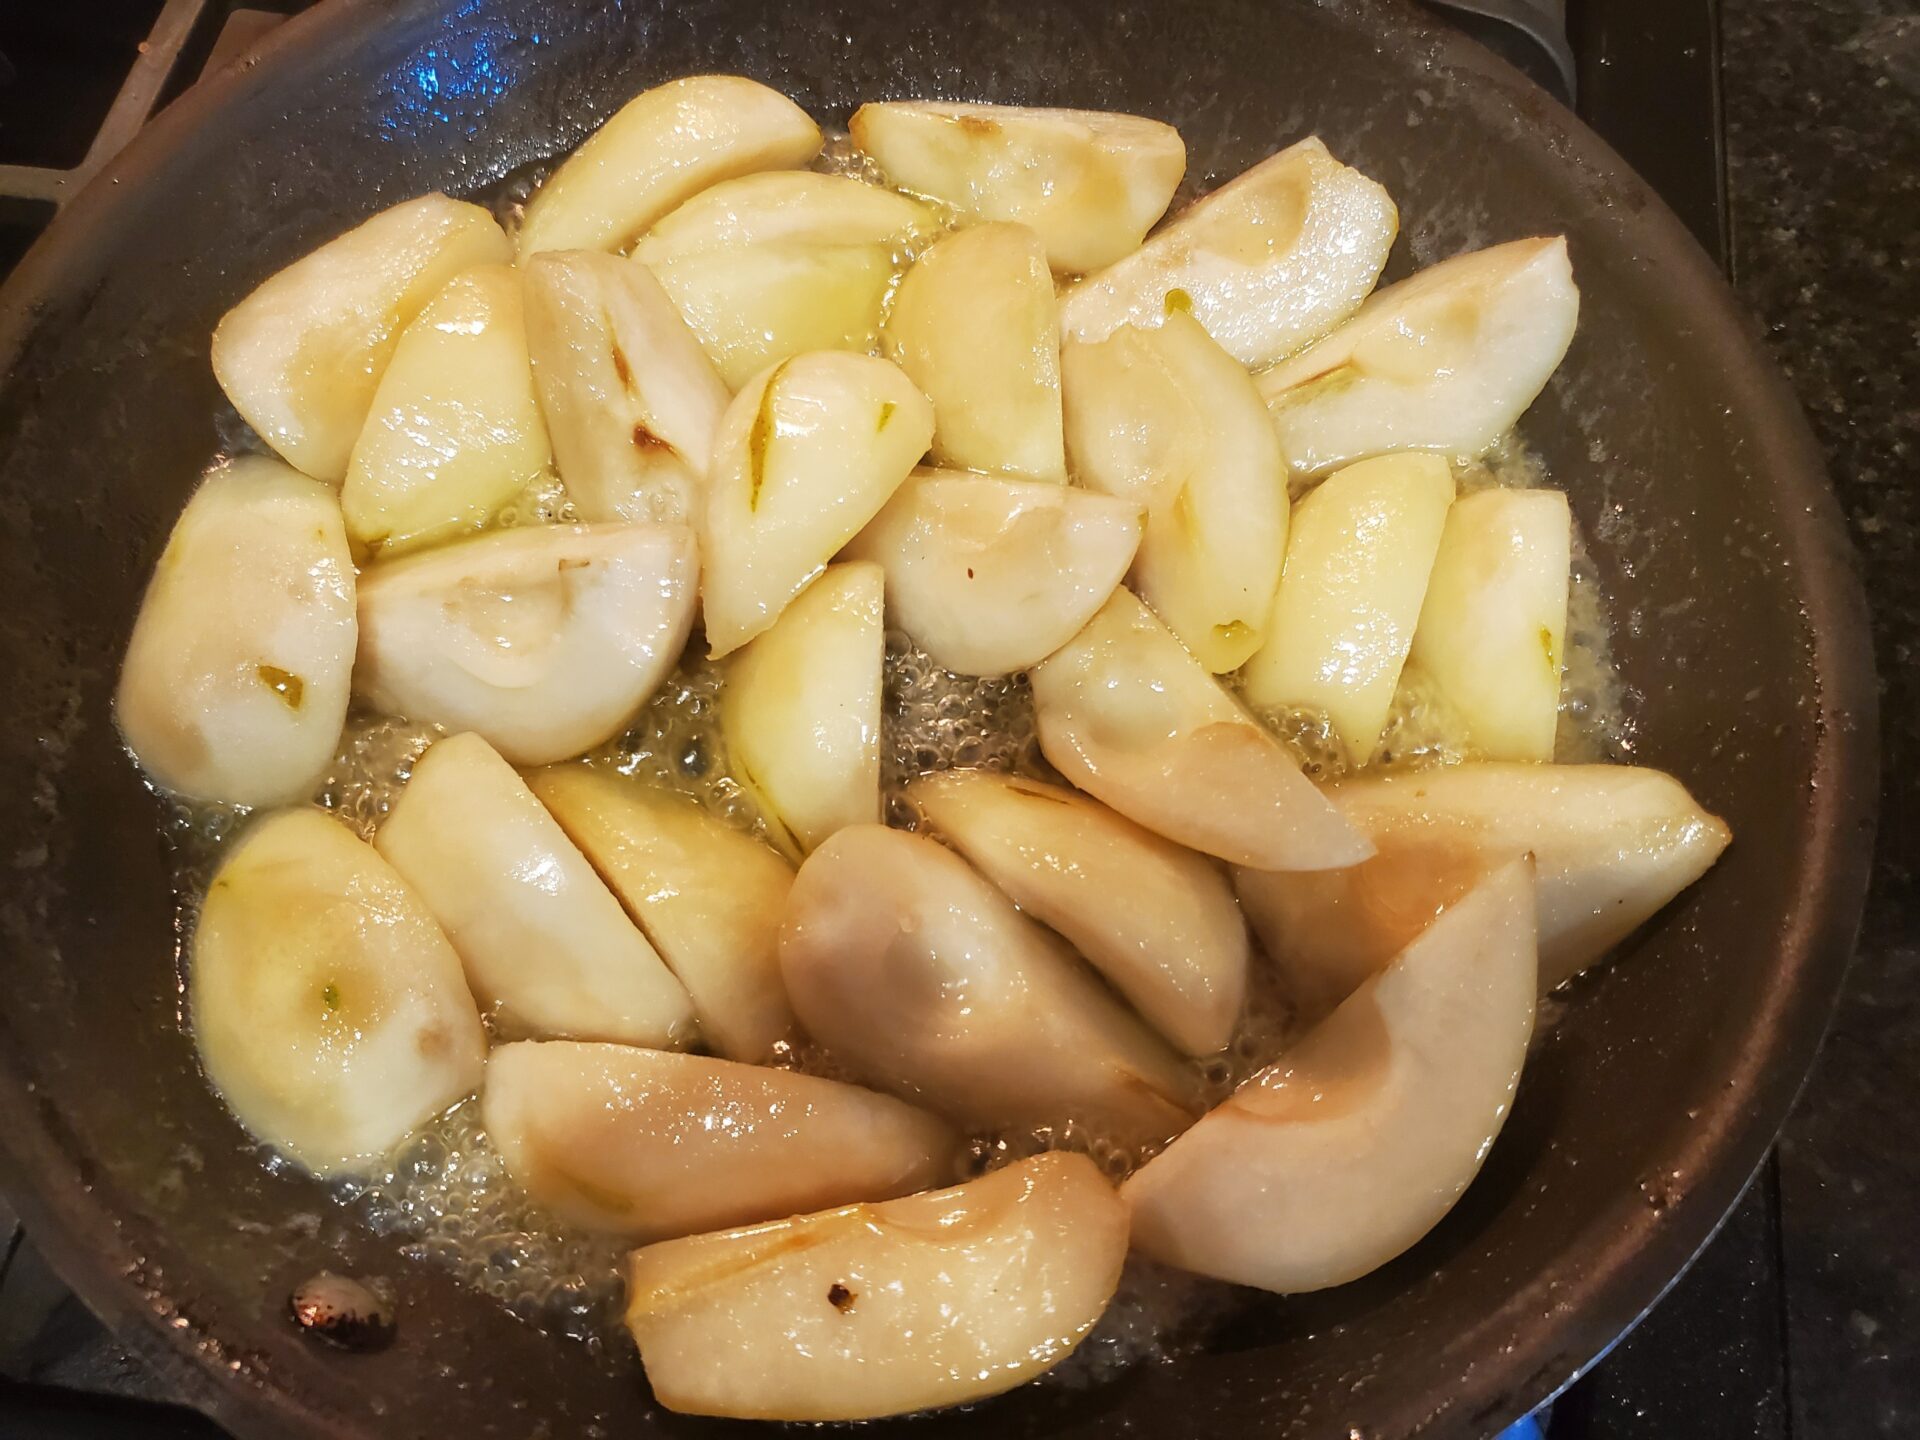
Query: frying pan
{"points": [[1740, 630]]}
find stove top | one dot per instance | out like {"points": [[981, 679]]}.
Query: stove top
{"points": [[78, 81]]}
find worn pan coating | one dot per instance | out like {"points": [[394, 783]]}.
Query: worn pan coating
{"points": [[1742, 632]]}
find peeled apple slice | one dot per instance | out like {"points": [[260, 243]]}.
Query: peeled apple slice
{"points": [[708, 896], [801, 712], [975, 325], [992, 576], [455, 431], [1168, 419], [1446, 360], [235, 683], [1271, 260], [300, 357], [805, 456], [877, 1310], [1352, 1146], [631, 400], [928, 982], [1612, 844], [1362, 547], [649, 1144], [329, 1011], [1127, 715], [1090, 183], [543, 639], [547, 949], [769, 266], [1492, 633], [1158, 921], [661, 147]]}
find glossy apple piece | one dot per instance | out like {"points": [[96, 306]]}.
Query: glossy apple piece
{"points": [[328, 1009], [1271, 260], [1353, 1145], [235, 682], [991, 576], [875, 1310], [1446, 360], [547, 949], [1159, 922], [660, 148], [301, 356], [1089, 183], [649, 1144], [1126, 714]]}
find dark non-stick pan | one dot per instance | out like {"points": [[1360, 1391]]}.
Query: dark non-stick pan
{"points": [[1740, 629]]}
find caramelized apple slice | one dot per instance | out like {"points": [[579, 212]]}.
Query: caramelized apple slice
{"points": [[1269, 261], [1353, 1145], [806, 455], [300, 357], [707, 895], [1158, 921], [1168, 419], [547, 949], [1493, 629], [928, 982], [801, 714], [455, 431], [975, 325], [329, 1010], [661, 147], [631, 400], [992, 576], [235, 683], [543, 639], [876, 1310], [1611, 844], [1090, 183], [1129, 716], [1356, 573], [649, 1144], [1446, 360], [769, 266]]}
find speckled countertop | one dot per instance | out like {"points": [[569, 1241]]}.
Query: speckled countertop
{"points": [[1822, 104]]}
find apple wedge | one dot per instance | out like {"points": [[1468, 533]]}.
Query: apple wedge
{"points": [[235, 683], [328, 1009], [1612, 844], [801, 712], [300, 357], [876, 1310], [928, 982], [661, 147], [1446, 360], [1168, 419], [543, 639], [708, 896], [992, 576], [1355, 1143], [975, 325], [1358, 559], [455, 430], [1159, 922], [547, 949], [630, 399], [1271, 260], [649, 1144], [1089, 183], [769, 266], [806, 455], [1126, 714]]}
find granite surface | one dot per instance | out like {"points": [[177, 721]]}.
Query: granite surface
{"points": [[1822, 104]]}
